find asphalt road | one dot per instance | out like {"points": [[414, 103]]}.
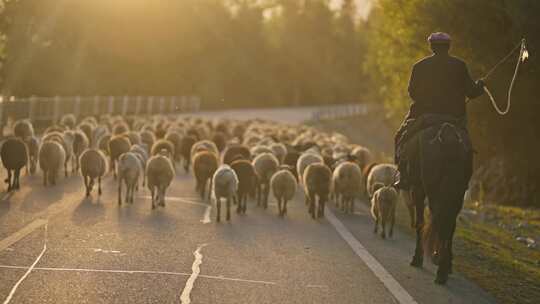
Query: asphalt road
{"points": [[56, 246]]}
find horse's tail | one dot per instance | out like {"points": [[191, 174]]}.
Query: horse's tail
{"points": [[430, 235]]}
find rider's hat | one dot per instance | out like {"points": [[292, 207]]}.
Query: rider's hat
{"points": [[440, 38]]}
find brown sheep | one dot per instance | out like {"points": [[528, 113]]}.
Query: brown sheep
{"points": [[51, 158], [247, 181], [118, 145], [14, 156], [187, 143], [317, 183], [93, 165], [235, 152], [205, 164]]}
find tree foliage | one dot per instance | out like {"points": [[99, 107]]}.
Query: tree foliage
{"points": [[483, 31], [230, 52]]}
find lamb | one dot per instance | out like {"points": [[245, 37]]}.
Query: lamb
{"points": [[93, 164], [187, 143], [14, 156], [118, 145], [385, 174], [159, 174], [283, 184], [317, 183], [23, 129], [247, 181], [347, 181], [383, 207], [265, 165], [205, 164], [129, 169], [80, 143], [225, 185], [51, 158]]}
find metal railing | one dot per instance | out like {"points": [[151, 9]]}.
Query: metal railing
{"points": [[51, 109], [340, 111]]}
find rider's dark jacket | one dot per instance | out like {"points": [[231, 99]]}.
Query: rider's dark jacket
{"points": [[439, 84], [438, 87]]}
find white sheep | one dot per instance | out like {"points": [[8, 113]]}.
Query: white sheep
{"points": [[347, 181], [129, 170], [224, 185]]}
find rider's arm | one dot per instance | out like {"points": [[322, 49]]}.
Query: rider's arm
{"points": [[472, 89]]}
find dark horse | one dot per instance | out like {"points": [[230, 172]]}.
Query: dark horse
{"points": [[440, 171]]}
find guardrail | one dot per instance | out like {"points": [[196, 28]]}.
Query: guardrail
{"points": [[340, 111], [47, 109]]}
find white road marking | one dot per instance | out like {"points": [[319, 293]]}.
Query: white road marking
{"points": [[196, 270], [399, 293], [206, 218], [14, 289], [17, 236], [183, 274]]}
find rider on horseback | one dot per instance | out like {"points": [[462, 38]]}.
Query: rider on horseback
{"points": [[438, 87]]}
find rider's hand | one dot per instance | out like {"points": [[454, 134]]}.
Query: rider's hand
{"points": [[481, 82]]}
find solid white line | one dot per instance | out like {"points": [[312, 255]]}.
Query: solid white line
{"points": [[399, 293], [17, 236], [14, 289], [183, 274], [196, 270]]}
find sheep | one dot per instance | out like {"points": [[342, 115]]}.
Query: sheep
{"points": [[224, 185], [220, 139], [93, 164], [383, 207], [283, 184], [51, 158], [118, 145], [257, 150], [103, 143], [187, 143], [176, 139], [265, 165], [134, 137], [291, 159], [23, 129], [162, 144], [385, 174], [97, 134], [235, 152], [317, 183], [129, 169], [33, 149], [247, 181], [120, 128], [159, 174], [66, 141], [80, 143], [279, 150], [68, 121], [304, 161], [87, 126], [14, 156], [205, 164], [363, 156], [141, 153], [347, 181], [204, 145], [148, 138]]}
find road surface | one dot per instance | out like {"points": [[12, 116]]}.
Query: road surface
{"points": [[56, 246]]}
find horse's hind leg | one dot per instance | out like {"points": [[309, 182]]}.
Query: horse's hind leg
{"points": [[418, 198]]}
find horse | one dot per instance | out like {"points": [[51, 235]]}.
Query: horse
{"points": [[440, 168]]}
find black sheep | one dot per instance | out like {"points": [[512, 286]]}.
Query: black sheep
{"points": [[14, 157]]}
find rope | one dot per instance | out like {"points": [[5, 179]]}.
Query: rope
{"points": [[523, 55]]}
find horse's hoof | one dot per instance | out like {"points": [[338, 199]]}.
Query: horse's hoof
{"points": [[418, 263], [441, 279]]}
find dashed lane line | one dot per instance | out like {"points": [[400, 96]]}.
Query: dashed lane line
{"points": [[393, 286]]}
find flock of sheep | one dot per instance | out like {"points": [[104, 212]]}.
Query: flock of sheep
{"points": [[231, 160]]}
